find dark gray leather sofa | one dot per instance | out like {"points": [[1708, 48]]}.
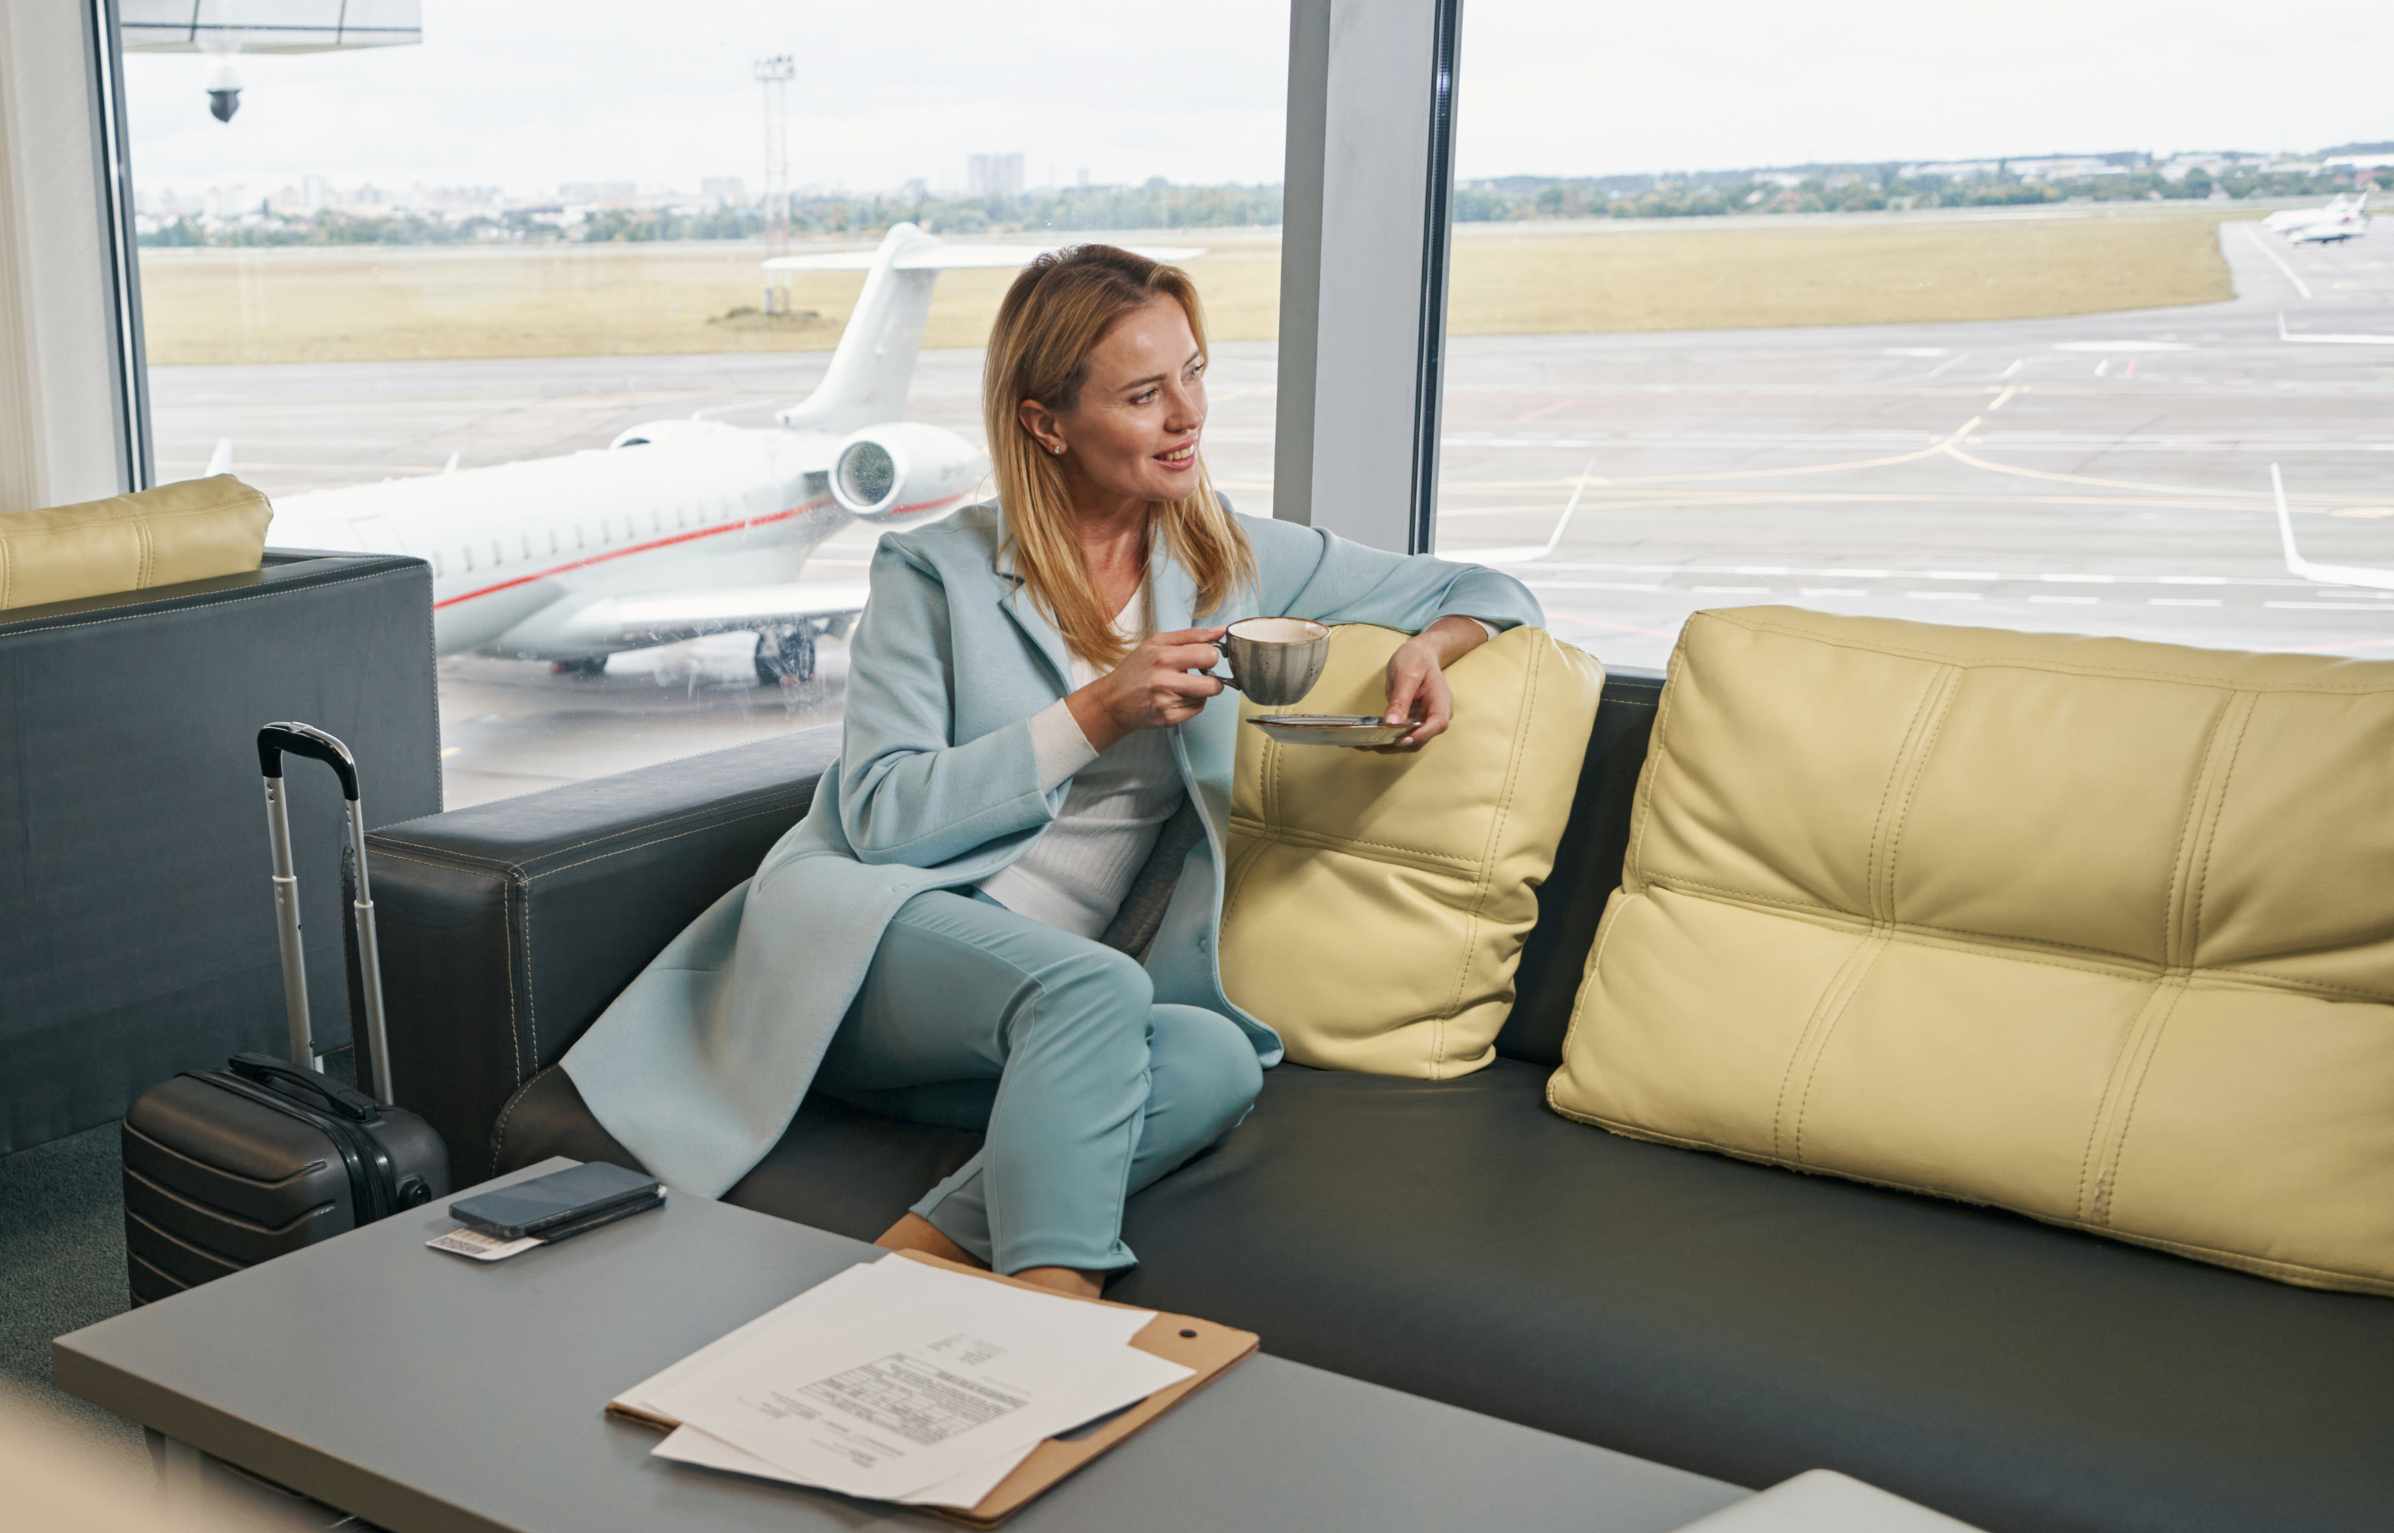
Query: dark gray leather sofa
{"points": [[136, 920], [1457, 1239]]}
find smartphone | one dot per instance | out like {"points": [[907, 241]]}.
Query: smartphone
{"points": [[559, 1198]]}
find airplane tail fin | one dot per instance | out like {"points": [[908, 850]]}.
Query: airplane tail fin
{"points": [[874, 363], [873, 366]]}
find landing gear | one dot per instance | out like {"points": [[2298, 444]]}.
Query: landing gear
{"points": [[786, 655], [593, 665]]}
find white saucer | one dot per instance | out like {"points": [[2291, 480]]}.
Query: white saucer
{"points": [[1350, 729]]}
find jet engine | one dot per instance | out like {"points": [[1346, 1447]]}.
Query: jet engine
{"points": [[904, 471]]}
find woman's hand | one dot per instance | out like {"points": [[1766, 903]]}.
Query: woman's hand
{"points": [[1154, 687], [1417, 688]]}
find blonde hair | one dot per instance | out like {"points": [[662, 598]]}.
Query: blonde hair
{"points": [[1053, 316]]}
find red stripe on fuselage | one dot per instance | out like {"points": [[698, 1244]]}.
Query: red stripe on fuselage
{"points": [[669, 542], [636, 548], [676, 539]]}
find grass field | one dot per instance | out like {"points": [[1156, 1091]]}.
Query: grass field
{"points": [[361, 305]]}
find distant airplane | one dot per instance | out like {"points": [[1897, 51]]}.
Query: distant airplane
{"points": [[2332, 224], [2293, 218], [680, 528]]}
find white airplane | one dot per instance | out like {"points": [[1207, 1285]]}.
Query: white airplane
{"points": [[2344, 219], [684, 527], [2294, 218]]}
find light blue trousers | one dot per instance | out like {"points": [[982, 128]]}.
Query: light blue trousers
{"points": [[1098, 1090]]}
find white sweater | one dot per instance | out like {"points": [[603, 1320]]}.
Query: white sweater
{"points": [[1075, 874]]}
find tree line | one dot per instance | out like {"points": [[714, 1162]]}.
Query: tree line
{"points": [[1160, 204]]}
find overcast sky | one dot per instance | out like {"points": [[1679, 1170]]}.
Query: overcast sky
{"points": [[528, 93]]}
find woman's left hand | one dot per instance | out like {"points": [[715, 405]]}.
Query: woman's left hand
{"points": [[1417, 692]]}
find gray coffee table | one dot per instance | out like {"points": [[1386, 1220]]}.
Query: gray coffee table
{"points": [[419, 1390]]}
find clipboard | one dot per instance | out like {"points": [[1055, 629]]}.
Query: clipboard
{"points": [[1196, 1344]]}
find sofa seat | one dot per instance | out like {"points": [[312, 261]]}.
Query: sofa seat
{"points": [[1458, 1240]]}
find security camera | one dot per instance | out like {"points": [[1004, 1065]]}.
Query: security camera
{"points": [[224, 91]]}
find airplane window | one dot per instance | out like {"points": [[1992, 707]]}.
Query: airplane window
{"points": [[525, 287], [1923, 367]]}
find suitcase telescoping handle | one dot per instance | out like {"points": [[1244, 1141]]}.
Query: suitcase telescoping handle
{"points": [[274, 742]]}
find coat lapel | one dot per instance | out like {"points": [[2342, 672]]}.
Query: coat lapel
{"points": [[1016, 598]]}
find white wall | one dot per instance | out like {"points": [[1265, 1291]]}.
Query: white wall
{"points": [[60, 429]]}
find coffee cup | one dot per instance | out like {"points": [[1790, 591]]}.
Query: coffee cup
{"points": [[1275, 660]]}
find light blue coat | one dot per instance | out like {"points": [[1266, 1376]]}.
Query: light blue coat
{"points": [[700, 1064]]}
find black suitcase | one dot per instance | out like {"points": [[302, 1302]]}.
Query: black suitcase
{"points": [[226, 1168]]}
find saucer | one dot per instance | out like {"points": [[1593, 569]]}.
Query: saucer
{"points": [[1351, 729]]}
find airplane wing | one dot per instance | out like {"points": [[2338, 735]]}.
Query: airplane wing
{"points": [[662, 618]]}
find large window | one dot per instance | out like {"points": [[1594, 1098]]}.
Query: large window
{"points": [[503, 298], [1875, 311]]}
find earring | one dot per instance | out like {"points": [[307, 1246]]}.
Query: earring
{"points": [[1058, 451]]}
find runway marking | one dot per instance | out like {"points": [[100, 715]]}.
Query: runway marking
{"points": [[1831, 591], [2252, 233], [2318, 338], [2064, 601], [2182, 601], [711, 411], [2120, 346], [2103, 367], [1948, 365], [1598, 585], [1954, 451], [1731, 590], [2015, 367], [1945, 595], [1857, 572], [2003, 399], [1914, 351], [2325, 606]]}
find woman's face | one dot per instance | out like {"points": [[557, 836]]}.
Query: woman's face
{"points": [[1133, 432]]}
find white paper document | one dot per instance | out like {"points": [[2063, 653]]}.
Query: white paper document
{"points": [[902, 1382]]}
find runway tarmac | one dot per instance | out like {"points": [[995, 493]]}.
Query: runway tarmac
{"points": [[2104, 474]]}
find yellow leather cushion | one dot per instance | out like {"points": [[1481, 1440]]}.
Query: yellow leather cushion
{"points": [[1376, 905], [2096, 930], [177, 532]]}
